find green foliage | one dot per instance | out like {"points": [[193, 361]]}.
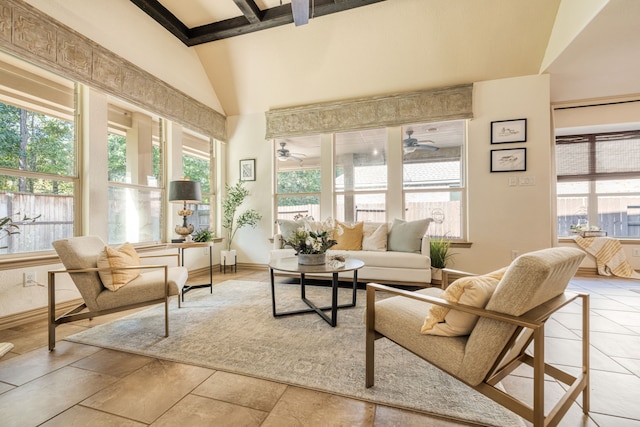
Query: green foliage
{"points": [[204, 235], [235, 196], [439, 251], [198, 170], [8, 226], [298, 181], [117, 157], [35, 142]]}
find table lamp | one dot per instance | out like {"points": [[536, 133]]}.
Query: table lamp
{"points": [[184, 191]]}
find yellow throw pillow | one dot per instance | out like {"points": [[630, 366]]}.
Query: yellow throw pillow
{"points": [[349, 237], [475, 291], [124, 256]]}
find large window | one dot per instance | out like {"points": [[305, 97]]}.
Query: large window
{"points": [[361, 175], [598, 182], [38, 175], [433, 175], [413, 172], [135, 147], [196, 165], [298, 177]]}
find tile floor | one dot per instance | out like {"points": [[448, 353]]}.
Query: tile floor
{"points": [[79, 385]]}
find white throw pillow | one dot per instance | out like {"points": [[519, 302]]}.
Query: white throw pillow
{"points": [[374, 237]]}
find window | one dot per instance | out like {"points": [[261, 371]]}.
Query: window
{"points": [[135, 178], [196, 165], [433, 175], [361, 175], [598, 182], [38, 174], [298, 177]]}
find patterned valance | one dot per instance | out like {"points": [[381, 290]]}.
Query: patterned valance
{"points": [[36, 37], [422, 106]]}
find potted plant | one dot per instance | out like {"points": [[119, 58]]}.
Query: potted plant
{"points": [[204, 235], [440, 256], [232, 221]]}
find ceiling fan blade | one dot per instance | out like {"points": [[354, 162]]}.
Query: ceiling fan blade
{"points": [[427, 147], [300, 9]]}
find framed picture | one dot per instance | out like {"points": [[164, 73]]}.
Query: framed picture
{"points": [[509, 160], [248, 170], [505, 131]]}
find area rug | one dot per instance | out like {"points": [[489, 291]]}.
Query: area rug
{"points": [[234, 330]]}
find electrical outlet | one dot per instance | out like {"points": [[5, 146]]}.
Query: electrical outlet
{"points": [[527, 180], [513, 180], [636, 252], [29, 279]]}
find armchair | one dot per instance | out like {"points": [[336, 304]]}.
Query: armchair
{"points": [[80, 255], [509, 328]]}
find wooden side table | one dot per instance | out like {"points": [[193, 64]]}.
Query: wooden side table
{"points": [[190, 245]]}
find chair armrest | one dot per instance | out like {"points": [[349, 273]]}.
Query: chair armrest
{"points": [[449, 275], [532, 319]]}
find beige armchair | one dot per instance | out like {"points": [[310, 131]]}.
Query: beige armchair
{"points": [[80, 255], [509, 331]]}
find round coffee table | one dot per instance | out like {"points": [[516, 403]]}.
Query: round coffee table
{"points": [[290, 265]]}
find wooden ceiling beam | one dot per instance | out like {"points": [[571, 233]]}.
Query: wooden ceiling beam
{"points": [[252, 20], [250, 10]]}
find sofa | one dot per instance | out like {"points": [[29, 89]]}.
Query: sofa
{"points": [[394, 253]]}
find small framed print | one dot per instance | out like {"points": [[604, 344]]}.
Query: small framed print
{"points": [[248, 170], [505, 131], [509, 160]]}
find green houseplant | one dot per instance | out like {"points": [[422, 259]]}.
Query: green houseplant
{"points": [[232, 221], [204, 235], [439, 251]]}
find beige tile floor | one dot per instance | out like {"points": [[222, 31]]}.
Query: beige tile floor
{"points": [[79, 385]]}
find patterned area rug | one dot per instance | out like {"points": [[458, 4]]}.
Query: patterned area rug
{"points": [[233, 330]]}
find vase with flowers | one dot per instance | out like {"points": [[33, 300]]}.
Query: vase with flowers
{"points": [[311, 241]]}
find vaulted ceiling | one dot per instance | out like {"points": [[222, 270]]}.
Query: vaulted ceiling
{"points": [[216, 20]]}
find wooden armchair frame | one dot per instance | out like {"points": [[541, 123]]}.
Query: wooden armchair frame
{"points": [[530, 328]]}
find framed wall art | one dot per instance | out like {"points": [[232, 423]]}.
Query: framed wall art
{"points": [[509, 160], [248, 170], [505, 131]]}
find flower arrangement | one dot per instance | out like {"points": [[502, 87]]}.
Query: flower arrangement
{"points": [[312, 237]]}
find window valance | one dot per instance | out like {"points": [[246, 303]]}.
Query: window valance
{"points": [[33, 35], [431, 105]]}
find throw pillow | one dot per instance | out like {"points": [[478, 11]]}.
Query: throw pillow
{"points": [[374, 237], [407, 236], [475, 291], [349, 237], [124, 256], [288, 227]]}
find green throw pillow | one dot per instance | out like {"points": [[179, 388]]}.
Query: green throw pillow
{"points": [[407, 236]]}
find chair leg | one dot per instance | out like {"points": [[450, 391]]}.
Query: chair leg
{"points": [[370, 338], [52, 311]]}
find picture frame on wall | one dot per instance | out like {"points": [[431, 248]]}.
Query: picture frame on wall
{"points": [[509, 160], [248, 170], [509, 131]]}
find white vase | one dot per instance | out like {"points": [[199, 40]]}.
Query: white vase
{"points": [[312, 259], [228, 257]]}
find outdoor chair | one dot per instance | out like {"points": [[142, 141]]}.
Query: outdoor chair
{"points": [[79, 255], [510, 330]]}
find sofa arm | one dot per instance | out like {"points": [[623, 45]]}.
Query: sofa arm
{"points": [[425, 246], [277, 241]]}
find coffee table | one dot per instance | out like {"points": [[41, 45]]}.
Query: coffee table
{"points": [[290, 265]]}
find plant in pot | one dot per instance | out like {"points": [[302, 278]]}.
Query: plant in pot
{"points": [[204, 235], [440, 256], [232, 221]]}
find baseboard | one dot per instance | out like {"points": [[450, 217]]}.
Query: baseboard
{"points": [[36, 314]]}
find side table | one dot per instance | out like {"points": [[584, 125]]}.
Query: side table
{"points": [[190, 245]]}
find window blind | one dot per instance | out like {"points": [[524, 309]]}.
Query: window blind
{"points": [[611, 155]]}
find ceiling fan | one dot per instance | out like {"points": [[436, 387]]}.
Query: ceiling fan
{"points": [[410, 144], [284, 154]]}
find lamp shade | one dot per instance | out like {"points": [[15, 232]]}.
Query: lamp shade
{"points": [[185, 190]]}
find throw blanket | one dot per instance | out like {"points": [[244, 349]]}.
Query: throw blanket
{"points": [[610, 258]]}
